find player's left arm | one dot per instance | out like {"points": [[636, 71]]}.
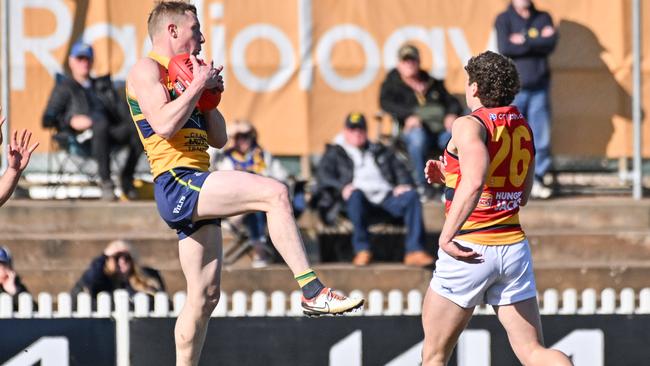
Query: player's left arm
{"points": [[217, 136], [469, 138]]}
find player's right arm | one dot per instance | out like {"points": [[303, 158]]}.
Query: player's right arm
{"points": [[468, 136], [165, 116]]}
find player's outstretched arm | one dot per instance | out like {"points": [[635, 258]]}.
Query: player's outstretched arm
{"points": [[468, 137], [165, 116], [18, 154]]}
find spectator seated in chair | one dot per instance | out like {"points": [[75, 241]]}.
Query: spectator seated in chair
{"points": [[90, 117], [366, 179], [422, 106]]}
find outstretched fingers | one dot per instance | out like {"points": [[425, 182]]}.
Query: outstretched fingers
{"points": [[24, 138], [33, 147]]}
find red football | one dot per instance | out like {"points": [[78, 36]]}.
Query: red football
{"points": [[180, 74], [209, 99]]}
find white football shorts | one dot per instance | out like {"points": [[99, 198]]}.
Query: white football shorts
{"points": [[505, 276]]}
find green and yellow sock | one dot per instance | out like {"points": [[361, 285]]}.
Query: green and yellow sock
{"points": [[309, 284]]}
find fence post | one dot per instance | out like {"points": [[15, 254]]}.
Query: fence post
{"points": [[25, 306], [179, 301], [6, 306], [375, 303], [221, 309], [607, 301], [644, 301], [295, 301], [121, 316], [395, 303], [160, 305], [141, 305], [588, 298], [63, 305], [84, 305], [627, 301], [239, 304], [278, 304], [551, 300], [569, 301], [44, 305], [104, 304], [413, 303], [258, 304]]}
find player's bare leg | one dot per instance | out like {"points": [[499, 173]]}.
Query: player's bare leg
{"points": [[443, 321], [200, 256], [523, 325], [228, 193]]}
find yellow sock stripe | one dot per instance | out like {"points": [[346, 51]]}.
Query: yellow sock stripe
{"points": [[305, 277], [187, 184]]}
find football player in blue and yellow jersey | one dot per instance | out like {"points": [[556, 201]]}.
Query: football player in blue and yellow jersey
{"points": [[176, 136]]}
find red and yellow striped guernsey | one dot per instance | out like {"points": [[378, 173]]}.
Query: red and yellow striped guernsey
{"points": [[495, 220], [187, 148]]}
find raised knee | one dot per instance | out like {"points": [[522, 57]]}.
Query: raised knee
{"points": [[279, 194]]}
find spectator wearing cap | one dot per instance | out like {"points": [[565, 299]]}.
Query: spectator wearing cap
{"points": [[423, 107], [118, 268], [367, 179], [527, 35], [93, 112], [10, 282], [245, 154]]}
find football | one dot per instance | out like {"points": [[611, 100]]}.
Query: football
{"points": [[180, 74]]}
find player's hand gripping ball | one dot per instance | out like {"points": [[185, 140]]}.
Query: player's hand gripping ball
{"points": [[180, 73]]}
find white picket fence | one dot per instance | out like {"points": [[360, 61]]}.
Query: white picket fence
{"points": [[278, 303]]}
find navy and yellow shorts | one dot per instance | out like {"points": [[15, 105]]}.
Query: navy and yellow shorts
{"points": [[177, 193]]}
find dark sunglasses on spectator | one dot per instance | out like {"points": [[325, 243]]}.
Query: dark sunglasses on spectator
{"points": [[243, 135], [125, 256]]}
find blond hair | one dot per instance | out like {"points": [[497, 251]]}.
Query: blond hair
{"points": [[165, 9], [138, 280]]}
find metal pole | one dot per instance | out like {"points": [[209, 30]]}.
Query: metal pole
{"points": [[4, 88], [636, 98]]}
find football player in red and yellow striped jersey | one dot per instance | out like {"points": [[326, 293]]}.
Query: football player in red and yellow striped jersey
{"points": [[484, 256]]}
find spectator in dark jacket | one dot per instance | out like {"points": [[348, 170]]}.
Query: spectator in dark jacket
{"points": [[369, 178], [91, 110], [10, 282], [527, 35], [117, 268], [422, 105]]}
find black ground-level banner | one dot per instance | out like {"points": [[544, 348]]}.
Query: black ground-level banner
{"points": [[83, 341], [591, 340]]}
